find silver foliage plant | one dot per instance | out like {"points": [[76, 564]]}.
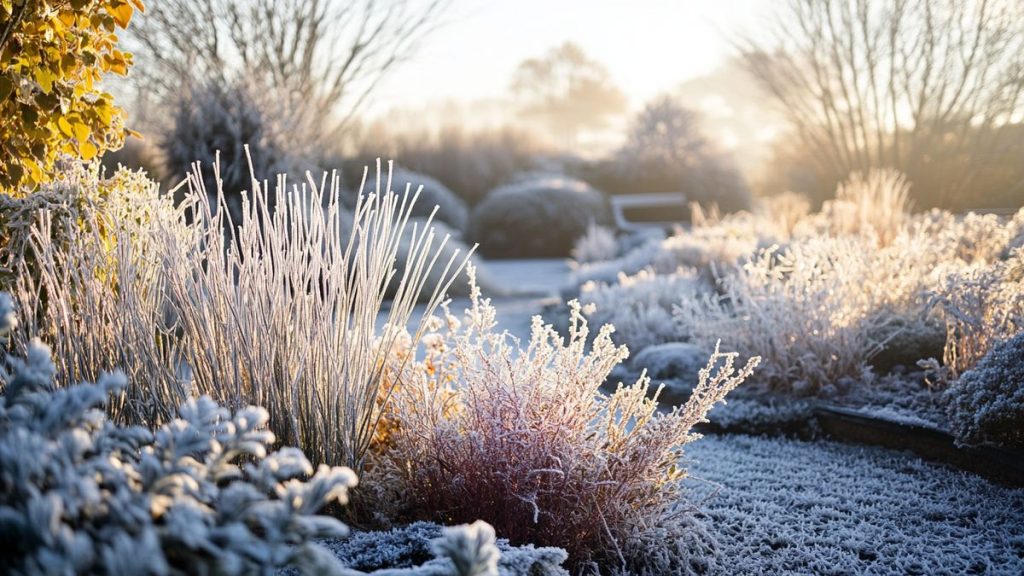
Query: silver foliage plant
{"points": [[202, 494]]}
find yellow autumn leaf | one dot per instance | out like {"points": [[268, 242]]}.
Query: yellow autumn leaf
{"points": [[35, 173], [105, 112], [45, 78], [88, 150], [68, 18], [82, 132], [117, 64], [58, 26], [65, 126], [122, 13]]}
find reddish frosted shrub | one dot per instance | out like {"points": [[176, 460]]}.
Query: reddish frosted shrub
{"points": [[524, 439]]}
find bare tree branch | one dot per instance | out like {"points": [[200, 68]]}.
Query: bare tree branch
{"points": [[930, 87], [321, 59]]}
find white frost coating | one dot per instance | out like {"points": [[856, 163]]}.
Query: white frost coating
{"points": [[986, 405], [640, 306], [596, 245], [451, 210], [402, 549], [536, 218], [780, 506]]}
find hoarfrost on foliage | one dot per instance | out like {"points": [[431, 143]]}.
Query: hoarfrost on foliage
{"points": [[986, 405], [641, 306], [80, 494], [410, 545], [521, 436], [596, 245], [759, 416]]}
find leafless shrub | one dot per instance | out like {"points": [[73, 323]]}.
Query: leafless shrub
{"points": [[523, 438], [320, 58]]}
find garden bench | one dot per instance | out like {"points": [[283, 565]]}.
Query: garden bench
{"points": [[635, 212]]}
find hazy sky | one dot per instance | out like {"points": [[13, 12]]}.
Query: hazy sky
{"points": [[649, 46]]}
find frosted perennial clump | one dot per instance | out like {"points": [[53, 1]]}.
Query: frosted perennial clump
{"points": [[523, 438]]}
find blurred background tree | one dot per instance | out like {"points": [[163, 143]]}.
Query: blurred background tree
{"points": [[315, 62], [567, 93], [666, 150], [932, 88]]}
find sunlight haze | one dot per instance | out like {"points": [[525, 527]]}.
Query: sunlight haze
{"points": [[649, 47]]}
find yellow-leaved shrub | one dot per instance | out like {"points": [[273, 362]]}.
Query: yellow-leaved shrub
{"points": [[53, 54]]}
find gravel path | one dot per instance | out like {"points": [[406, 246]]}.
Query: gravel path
{"points": [[521, 289]]}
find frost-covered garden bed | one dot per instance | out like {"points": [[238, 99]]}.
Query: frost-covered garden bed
{"points": [[863, 305], [460, 421]]}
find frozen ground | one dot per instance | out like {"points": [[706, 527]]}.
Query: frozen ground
{"points": [[778, 506], [522, 289]]}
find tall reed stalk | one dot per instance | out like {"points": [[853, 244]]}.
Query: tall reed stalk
{"points": [[280, 311]]}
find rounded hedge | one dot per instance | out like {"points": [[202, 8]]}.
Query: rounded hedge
{"points": [[536, 218], [451, 209], [986, 405]]}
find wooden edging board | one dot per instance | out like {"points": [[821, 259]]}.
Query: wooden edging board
{"points": [[997, 464]]}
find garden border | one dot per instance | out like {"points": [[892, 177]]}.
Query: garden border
{"points": [[1002, 465], [851, 426]]}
